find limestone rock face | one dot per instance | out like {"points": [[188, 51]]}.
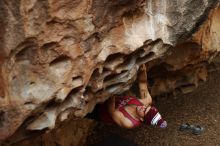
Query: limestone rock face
{"points": [[59, 59]]}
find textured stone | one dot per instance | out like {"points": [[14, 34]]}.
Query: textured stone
{"points": [[60, 58]]}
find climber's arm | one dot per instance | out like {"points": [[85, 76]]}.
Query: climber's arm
{"points": [[143, 89]]}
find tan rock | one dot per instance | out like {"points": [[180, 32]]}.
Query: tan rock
{"points": [[60, 58]]}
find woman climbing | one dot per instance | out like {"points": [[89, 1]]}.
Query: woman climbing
{"points": [[129, 111]]}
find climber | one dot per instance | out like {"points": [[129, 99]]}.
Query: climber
{"points": [[129, 111]]}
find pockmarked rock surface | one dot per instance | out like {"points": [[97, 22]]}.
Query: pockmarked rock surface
{"points": [[59, 59]]}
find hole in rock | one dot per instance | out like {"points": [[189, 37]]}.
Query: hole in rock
{"points": [[50, 45], [146, 58], [113, 61], [128, 63], [112, 57], [105, 70], [187, 85], [98, 36], [95, 73], [28, 102], [74, 92], [14, 77], [201, 81], [61, 66], [187, 88], [31, 83], [114, 87], [2, 118], [2, 92], [77, 81], [113, 76], [88, 93], [26, 53], [139, 53], [52, 103], [59, 60], [93, 39]]}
